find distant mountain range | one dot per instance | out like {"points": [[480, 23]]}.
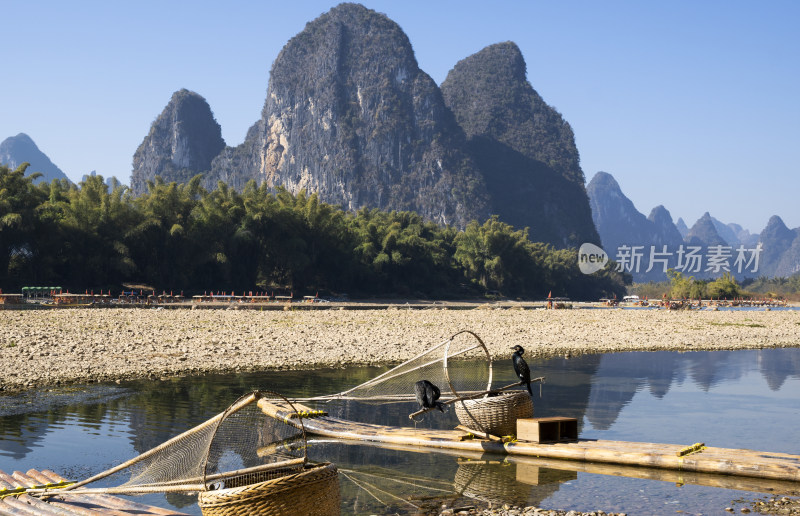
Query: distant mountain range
{"points": [[662, 243], [617, 220], [349, 115], [16, 150]]}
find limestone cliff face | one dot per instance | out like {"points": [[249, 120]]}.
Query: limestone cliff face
{"points": [[490, 95], [525, 149], [182, 142], [350, 115]]}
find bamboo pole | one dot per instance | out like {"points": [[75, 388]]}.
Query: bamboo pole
{"points": [[228, 474], [12, 482], [178, 486], [386, 398], [40, 478], [132, 490], [285, 447], [18, 506], [75, 510], [487, 435], [43, 508], [23, 479], [740, 483], [777, 466], [110, 502], [129, 506]]}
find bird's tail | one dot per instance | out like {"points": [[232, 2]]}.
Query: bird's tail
{"points": [[530, 390], [440, 406]]}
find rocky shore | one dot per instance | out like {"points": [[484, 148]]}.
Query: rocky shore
{"points": [[53, 347], [770, 505], [520, 511], [774, 505], [765, 505]]}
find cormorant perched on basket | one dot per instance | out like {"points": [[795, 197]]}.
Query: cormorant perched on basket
{"points": [[521, 367], [427, 394]]}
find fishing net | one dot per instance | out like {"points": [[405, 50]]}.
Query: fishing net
{"points": [[389, 491], [238, 445], [458, 366]]}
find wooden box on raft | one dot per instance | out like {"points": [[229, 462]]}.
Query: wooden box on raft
{"points": [[547, 429]]}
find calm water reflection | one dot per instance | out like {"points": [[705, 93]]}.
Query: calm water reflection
{"points": [[742, 399]]}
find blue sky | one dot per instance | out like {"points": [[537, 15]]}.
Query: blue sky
{"points": [[691, 104]]}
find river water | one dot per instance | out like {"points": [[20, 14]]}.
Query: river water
{"points": [[732, 399]]}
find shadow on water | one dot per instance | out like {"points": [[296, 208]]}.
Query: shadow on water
{"points": [[638, 396]]}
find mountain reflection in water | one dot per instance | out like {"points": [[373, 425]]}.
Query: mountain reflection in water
{"points": [[639, 396]]}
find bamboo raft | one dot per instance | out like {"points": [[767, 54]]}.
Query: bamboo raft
{"points": [[14, 500], [683, 458], [531, 464]]}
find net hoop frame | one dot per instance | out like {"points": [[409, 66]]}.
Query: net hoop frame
{"points": [[447, 355], [232, 409]]}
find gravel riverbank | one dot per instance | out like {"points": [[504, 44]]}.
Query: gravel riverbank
{"points": [[52, 347], [520, 511]]}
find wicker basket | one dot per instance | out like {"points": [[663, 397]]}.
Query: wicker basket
{"points": [[312, 490], [493, 483], [496, 415]]}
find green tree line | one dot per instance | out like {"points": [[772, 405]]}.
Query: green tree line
{"points": [[680, 286], [775, 287], [183, 237], [687, 287]]}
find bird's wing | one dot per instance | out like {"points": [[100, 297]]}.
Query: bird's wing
{"points": [[521, 367], [419, 391], [436, 392]]}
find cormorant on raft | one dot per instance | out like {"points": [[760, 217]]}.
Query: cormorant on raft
{"points": [[427, 394], [521, 367]]}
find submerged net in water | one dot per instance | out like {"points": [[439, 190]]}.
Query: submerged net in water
{"points": [[389, 491], [458, 366], [240, 443]]}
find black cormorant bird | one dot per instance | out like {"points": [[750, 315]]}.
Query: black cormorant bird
{"points": [[521, 367], [427, 394]]}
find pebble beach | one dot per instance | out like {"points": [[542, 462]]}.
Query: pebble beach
{"points": [[55, 347], [45, 348]]}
